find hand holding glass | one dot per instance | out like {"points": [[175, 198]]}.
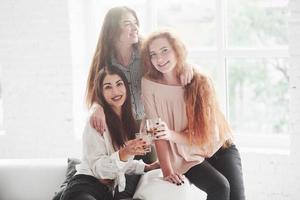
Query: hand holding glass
{"points": [[152, 124], [147, 138], [158, 129]]}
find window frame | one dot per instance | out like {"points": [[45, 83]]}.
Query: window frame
{"points": [[270, 144]]}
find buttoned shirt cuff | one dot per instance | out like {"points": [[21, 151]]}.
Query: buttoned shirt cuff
{"points": [[140, 167]]}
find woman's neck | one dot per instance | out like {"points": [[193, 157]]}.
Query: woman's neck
{"points": [[170, 78], [118, 111], [123, 53]]}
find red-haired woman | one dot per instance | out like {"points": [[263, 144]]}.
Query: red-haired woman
{"points": [[194, 139]]}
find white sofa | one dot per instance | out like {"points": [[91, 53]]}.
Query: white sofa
{"points": [[31, 179], [39, 179]]}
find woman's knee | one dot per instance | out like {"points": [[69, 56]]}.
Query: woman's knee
{"points": [[220, 190], [224, 187]]}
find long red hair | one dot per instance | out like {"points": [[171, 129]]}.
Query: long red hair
{"points": [[203, 112]]}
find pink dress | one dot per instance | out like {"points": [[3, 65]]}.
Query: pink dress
{"points": [[167, 102]]}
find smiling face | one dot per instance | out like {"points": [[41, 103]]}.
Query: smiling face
{"points": [[162, 55], [114, 91], [129, 29]]}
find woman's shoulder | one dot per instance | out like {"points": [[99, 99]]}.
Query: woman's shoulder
{"points": [[147, 81], [162, 92], [91, 133], [156, 83], [199, 74], [149, 85]]}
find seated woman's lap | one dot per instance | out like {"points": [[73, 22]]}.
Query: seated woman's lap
{"points": [[131, 184], [207, 178], [85, 185], [228, 162], [222, 173], [89, 188]]}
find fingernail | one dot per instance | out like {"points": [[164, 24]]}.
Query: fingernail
{"points": [[182, 182], [178, 183]]}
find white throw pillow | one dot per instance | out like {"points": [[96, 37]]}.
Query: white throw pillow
{"points": [[153, 187]]}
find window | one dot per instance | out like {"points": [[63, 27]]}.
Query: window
{"points": [[256, 65], [194, 20], [243, 46], [258, 95]]}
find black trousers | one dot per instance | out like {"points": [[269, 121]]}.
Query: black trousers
{"points": [[85, 187], [220, 176]]}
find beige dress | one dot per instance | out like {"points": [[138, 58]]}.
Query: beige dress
{"points": [[167, 102]]}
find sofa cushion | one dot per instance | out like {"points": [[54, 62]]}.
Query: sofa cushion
{"points": [[153, 187], [71, 170]]}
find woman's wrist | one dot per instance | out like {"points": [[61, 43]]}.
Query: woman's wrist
{"points": [[147, 168], [152, 166], [167, 172], [123, 154]]}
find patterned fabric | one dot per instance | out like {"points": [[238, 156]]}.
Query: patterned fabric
{"points": [[133, 73]]}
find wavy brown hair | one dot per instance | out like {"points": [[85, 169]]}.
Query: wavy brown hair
{"points": [[202, 109], [110, 33]]}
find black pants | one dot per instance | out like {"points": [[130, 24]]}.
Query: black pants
{"points": [[220, 176], [85, 187]]}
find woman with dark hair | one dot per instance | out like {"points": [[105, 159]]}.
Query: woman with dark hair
{"points": [[194, 138], [119, 44], [108, 170]]}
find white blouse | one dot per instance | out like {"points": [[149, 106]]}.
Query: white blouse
{"points": [[103, 162]]}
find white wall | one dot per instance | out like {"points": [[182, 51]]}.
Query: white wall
{"points": [[35, 56], [44, 49]]}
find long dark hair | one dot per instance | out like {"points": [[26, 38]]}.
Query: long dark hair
{"points": [[110, 33], [120, 129]]}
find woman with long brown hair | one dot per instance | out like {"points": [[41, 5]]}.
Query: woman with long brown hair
{"points": [[194, 138], [108, 170]]}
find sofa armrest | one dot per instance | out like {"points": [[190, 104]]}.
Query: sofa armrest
{"points": [[31, 179]]}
